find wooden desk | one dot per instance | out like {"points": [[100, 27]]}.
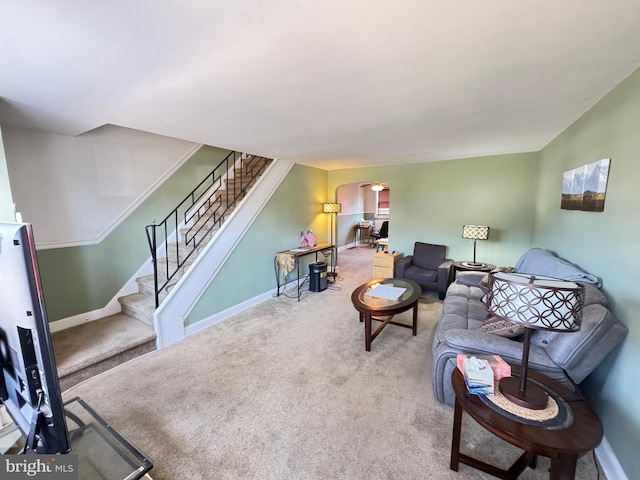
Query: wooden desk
{"points": [[364, 231], [562, 445], [294, 256]]}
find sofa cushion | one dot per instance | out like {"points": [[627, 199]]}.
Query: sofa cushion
{"points": [[420, 275], [465, 291], [503, 328], [428, 256]]}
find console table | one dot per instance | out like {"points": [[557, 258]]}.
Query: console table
{"points": [[288, 260], [580, 433]]}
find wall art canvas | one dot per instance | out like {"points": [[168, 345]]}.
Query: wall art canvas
{"points": [[585, 187]]}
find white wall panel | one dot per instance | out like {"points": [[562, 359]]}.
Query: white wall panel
{"points": [[75, 189]]}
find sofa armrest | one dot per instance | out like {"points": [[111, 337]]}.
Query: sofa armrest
{"points": [[444, 272], [402, 265]]}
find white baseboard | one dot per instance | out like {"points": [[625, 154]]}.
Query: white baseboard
{"points": [[81, 318], [218, 317], [609, 462]]}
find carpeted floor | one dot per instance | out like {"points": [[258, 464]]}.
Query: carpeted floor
{"points": [[285, 390]]}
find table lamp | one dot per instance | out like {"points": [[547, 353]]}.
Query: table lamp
{"points": [[475, 233], [536, 302]]}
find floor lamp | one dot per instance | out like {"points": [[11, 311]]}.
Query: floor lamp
{"points": [[332, 208]]}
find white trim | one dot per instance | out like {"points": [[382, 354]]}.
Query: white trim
{"points": [[169, 318], [218, 317], [609, 462], [125, 213], [79, 319]]}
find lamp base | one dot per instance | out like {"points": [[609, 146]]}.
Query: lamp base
{"points": [[473, 264], [533, 397]]}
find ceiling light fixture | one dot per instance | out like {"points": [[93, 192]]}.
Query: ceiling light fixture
{"points": [[377, 186]]}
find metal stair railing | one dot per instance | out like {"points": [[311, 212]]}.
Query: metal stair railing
{"points": [[198, 214]]}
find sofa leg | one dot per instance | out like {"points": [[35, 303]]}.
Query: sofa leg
{"points": [[441, 295]]}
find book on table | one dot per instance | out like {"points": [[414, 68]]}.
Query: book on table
{"points": [[478, 376], [500, 368]]}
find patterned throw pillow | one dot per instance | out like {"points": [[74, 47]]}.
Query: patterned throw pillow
{"points": [[502, 328]]}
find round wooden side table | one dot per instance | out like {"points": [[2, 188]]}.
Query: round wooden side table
{"points": [[562, 445], [467, 266]]}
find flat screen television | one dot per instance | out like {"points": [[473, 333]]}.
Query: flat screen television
{"points": [[29, 385]]}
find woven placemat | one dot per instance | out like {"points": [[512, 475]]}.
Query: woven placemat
{"points": [[556, 415], [548, 413]]}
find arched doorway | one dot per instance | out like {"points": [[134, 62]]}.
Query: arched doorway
{"points": [[361, 205]]}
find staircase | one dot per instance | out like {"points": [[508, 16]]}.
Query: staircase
{"points": [[94, 347]]}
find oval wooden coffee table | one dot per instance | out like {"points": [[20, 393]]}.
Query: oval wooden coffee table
{"points": [[382, 309], [563, 445]]}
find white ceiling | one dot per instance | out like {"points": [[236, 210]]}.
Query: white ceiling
{"points": [[327, 83]]}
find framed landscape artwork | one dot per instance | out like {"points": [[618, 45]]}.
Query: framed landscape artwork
{"points": [[585, 187]]}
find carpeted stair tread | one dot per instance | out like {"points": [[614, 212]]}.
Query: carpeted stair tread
{"points": [[139, 306], [79, 347]]}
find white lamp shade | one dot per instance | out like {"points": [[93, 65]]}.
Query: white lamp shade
{"points": [[475, 232], [535, 301]]}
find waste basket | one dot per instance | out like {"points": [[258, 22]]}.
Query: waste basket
{"points": [[318, 276]]}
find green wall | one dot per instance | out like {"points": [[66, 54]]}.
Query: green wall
{"points": [[431, 201], [7, 213], [82, 279], [605, 244], [296, 205]]}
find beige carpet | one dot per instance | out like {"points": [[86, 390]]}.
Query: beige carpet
{"points": [[286, 390]]}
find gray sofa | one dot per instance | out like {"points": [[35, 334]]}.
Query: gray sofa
{"points": [[566, 357]]}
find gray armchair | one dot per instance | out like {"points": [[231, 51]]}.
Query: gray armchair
{"points": [[428, 267]]}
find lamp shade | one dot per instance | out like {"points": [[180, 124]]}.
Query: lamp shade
{"points": [[536, 301], [475, 232], [331, 207]]}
